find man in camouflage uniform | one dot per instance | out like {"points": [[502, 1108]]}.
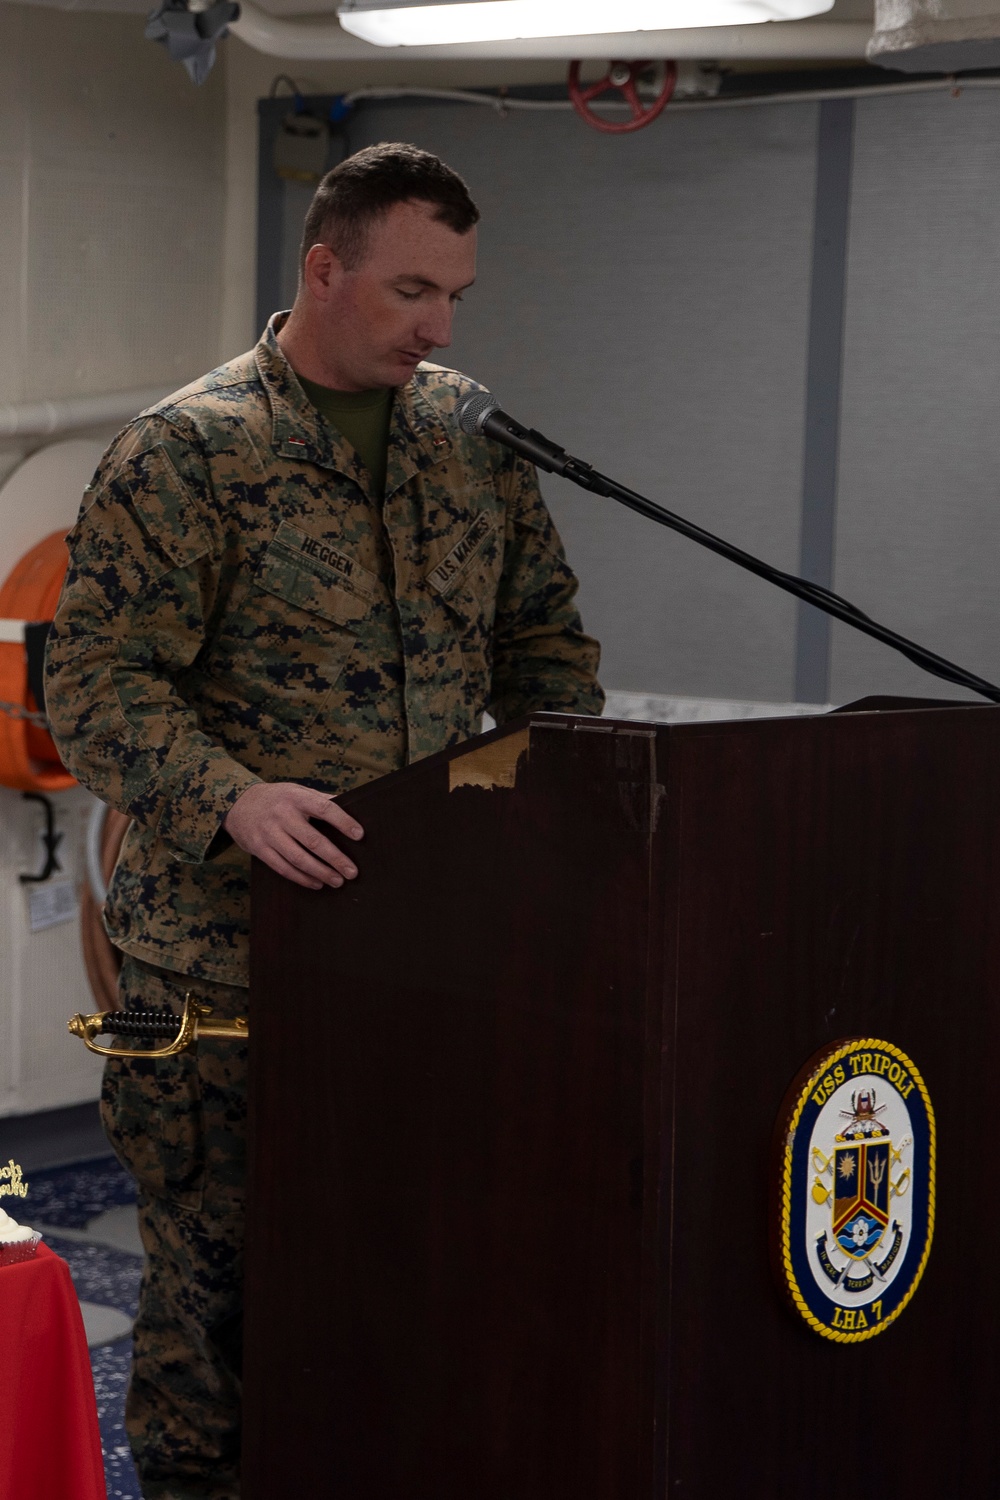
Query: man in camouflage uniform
{"points": [[251, 624]]}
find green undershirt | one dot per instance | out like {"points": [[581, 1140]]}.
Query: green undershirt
{"points": [[363, 418]]}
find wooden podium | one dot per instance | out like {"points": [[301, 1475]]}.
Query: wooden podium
{"points": [[513, 1097]]}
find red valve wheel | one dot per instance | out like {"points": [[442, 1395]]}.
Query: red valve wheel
{"points": [[622, 76]]}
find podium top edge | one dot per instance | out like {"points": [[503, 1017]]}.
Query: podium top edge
{"points": [[868, 706], [592, 725], [490, 746]]}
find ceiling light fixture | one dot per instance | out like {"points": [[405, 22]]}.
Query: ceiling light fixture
{"points": [[414, 23]]}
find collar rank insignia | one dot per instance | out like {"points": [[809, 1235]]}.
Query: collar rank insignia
{"points": [[855, 1188]]}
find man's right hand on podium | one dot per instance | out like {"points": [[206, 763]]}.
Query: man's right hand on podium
{"points": [[271, 822]]}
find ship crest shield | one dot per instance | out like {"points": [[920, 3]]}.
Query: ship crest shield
{"points": [[861, 1196]]}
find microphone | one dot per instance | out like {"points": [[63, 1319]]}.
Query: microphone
{"points": [[481, 415]]}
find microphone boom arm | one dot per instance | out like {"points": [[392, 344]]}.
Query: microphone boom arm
{"points": [[481, 413]]}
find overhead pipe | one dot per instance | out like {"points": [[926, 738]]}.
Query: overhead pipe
{"points": [[326, 41], [31, 419], [502, 104]]}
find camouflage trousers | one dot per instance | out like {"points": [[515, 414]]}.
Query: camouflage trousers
{"points": [[178, 1125]]}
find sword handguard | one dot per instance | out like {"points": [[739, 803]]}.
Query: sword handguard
{"points": [[181, 1032]]}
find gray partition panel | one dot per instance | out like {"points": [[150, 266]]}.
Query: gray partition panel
{"points": [[646, 301], [643, 299], [919, 519], [823, 382]]}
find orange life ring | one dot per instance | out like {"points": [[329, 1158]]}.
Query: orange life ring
{"points": [[29, 760]]}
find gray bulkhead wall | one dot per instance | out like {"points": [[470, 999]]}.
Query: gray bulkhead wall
{"points": [[919, 492], [649, 302]]}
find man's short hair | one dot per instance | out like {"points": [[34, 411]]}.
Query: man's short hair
{"points": [[361, 189]]}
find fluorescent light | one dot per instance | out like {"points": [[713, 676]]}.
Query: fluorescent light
{"points": [[403, 23]]}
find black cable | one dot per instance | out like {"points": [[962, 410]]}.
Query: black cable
{"points": [[284, 78]]}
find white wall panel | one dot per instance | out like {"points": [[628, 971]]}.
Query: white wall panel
{"points": [[12, 81], [44, 980], [42, 975], [11, 272], [123, 283], [43, 495], [114, 277], [102, 97], [112, 189]]}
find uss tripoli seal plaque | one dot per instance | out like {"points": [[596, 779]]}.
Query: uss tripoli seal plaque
{"points": [[854, 1216]]}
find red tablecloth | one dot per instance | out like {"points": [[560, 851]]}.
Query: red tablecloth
{"points": [[50, 1446]]}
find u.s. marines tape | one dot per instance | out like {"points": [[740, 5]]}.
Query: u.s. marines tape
{"points": [[855, 1200]]}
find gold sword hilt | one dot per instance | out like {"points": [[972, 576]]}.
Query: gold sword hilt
{"points": [[178, 1032]]}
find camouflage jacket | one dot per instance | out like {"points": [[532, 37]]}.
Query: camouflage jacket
{"points": [[239, 608]]}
